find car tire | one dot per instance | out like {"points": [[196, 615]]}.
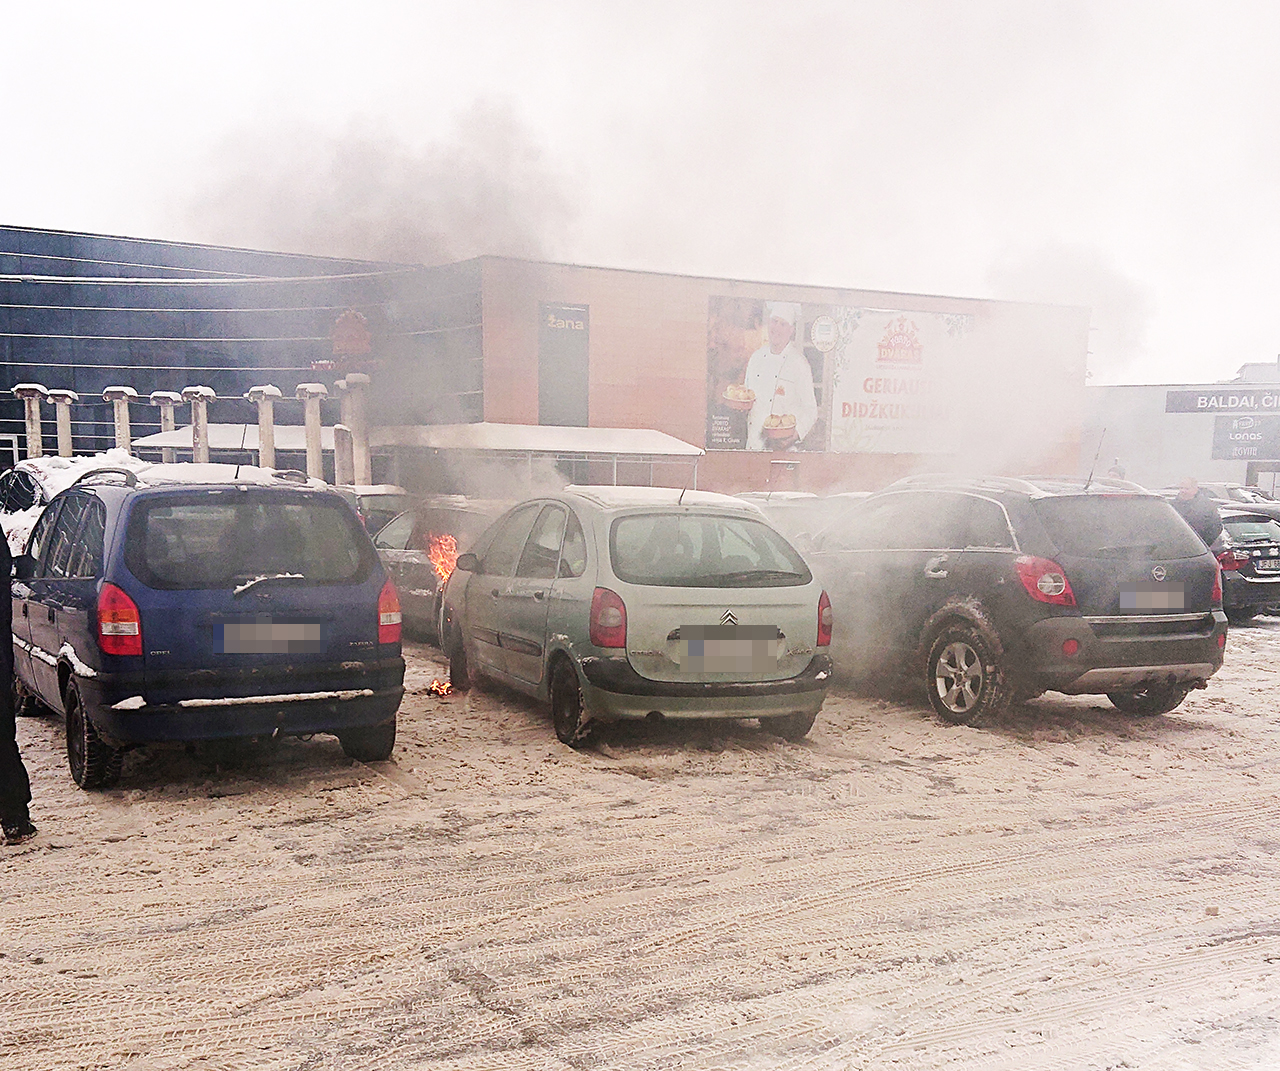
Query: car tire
{"points": [[1243, 616], [93, 763], [965, 673], [373, 743], [459, 667], [793, 727], [1148, 702], [567, 711], [25, 705]]}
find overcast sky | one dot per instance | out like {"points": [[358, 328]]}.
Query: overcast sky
{"points": [[1119, 155]]}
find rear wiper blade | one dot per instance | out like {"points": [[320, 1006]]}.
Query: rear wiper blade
{"points": [[761, 574], [1143, 548], [263, 579]]}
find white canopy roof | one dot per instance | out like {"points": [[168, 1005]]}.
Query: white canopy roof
{"points": [[535, 439], [289, 437]]}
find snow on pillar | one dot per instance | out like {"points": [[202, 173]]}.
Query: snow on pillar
{"points": [[311, 394], [32, 394], [264, 397], [199, 397], [357, 420], [167, 400], [120, 397], [62, 401], [344, 468]]}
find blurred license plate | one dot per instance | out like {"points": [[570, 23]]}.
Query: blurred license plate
{"points": [[729, 648], [1152, 597], [1267, 565], [266, 635]]}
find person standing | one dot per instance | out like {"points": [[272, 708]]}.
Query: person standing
{"points": [[780, 375], [15, 786], [1198, 510]]}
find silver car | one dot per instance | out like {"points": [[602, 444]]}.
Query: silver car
{"points": [[642, 602]]}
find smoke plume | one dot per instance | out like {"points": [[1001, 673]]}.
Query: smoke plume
{"points": [[366, 194]]}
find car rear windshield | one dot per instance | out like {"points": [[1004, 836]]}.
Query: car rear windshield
{"points": [[224, 538], [1252, 529], [1117, 526], [702, 550]]}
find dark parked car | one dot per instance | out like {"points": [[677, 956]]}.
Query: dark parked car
{"points": [[420, 547], [1249, 552], [375, 504], [984, 589], [197, 612]]}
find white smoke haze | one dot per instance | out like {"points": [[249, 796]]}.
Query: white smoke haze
{"points": [[366, 193], [1057, 273]]}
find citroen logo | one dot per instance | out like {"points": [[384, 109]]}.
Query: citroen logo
{"points": [[728, 618], [1158, 572]]}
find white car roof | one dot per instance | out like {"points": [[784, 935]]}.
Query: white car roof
{"points": [[609, 497]]}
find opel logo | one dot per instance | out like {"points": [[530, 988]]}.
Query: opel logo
{"points": [[1158, 572], [728, 618]]}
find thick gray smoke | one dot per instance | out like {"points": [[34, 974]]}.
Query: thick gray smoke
{"points": [[364, 193], [1081, 275]]}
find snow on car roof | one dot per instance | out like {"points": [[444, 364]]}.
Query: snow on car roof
{"points": [[608, 497]]}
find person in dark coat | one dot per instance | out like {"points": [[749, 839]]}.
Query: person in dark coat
{"points": [[15, 787], [1198, 510]]}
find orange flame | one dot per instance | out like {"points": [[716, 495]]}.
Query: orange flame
{"points": [[439, 687], [442, 553]]}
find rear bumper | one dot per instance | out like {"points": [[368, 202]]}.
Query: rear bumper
{"points": [[356, 699], [613, 689], [1124, 653], [1241, 592]]}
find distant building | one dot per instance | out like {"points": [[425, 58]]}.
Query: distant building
{"points": [[784, 385]]}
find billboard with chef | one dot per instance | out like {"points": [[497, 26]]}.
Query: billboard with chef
{"points": [[799, 376]]}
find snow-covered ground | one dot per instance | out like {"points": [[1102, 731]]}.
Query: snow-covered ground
{"points": [[1064, 888]]}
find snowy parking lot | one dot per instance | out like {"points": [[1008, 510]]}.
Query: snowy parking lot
{"points": [[1065, 887]]}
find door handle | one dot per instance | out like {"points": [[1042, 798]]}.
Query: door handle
{"points": [[539, 594], [25, 609], [936, 567], [51, 616], [494, 593]]}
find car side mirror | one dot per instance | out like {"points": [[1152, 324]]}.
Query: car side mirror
{"points": [[24, 567], [468, 563]]}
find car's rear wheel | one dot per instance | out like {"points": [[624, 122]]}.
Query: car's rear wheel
{"points": [[965, 673], [1148, 702], [373, 743], [93, 763], [25, 705], [790, 726], [567, 712]]}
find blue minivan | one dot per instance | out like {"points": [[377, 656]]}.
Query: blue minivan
{"points": [[161, 611]]}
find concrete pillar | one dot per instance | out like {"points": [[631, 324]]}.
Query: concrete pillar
{"points": [[166, 400], [265, 397], [199, 397], [120, 397], [32, 394], [357, 420], [310, 394], [62, 401], [344, 468]]}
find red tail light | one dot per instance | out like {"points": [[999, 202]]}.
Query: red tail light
{"points": [[1229, 559], [1215, 596], [824, 620], [608, 619], [119, 623], [388, 614], [1045, 580]]}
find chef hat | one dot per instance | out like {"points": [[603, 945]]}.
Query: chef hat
{"points": [[784, 310]]}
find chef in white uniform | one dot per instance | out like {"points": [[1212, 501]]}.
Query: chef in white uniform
{"points": [[782, 379]]}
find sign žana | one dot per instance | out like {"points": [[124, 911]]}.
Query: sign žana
{"points": [[1246, 438]]}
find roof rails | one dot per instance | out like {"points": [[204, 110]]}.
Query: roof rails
{"points": [[113, 473], [1110, 483], [291, 475], [949, 479]]}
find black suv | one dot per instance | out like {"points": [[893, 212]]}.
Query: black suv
{"points": [[995, 588]]}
